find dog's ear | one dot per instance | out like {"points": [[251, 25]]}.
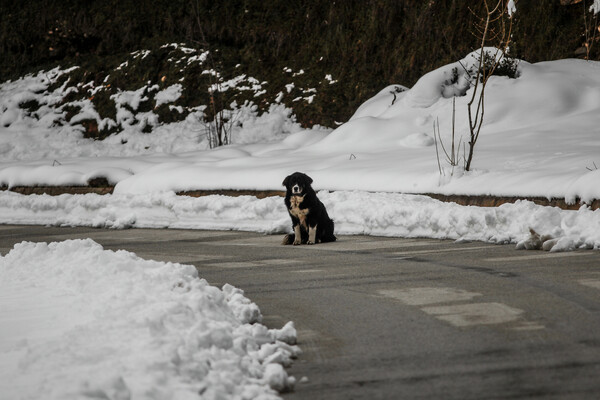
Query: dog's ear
{"points": [[286, 180], [308, 179]]}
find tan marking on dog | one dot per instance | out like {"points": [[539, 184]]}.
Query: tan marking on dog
{"points": [[298, 212], [298, 234]]}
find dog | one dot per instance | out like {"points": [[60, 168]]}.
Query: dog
{"points": [[310, 220]]}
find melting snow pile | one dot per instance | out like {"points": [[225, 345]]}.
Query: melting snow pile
{"points": [[78, 321], [381, 214]]}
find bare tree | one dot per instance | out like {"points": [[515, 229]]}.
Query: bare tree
{"points": [[591, 29], [452, 155], [494, 28]]}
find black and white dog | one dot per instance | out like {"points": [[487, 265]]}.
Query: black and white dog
{"points": [[310, 221]]}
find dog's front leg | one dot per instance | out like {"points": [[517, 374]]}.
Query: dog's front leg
{"points": [[298, 234], [312, 234]]}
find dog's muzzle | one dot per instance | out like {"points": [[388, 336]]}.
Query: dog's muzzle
{"points": [[296, 189]]}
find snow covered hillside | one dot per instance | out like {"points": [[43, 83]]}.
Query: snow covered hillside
{"points": [[61, 113], [540, 137]]}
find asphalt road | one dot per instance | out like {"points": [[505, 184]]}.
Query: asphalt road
{"points": [[389, 318]]}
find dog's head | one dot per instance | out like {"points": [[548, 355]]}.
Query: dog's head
{"points": [[297, 183]]}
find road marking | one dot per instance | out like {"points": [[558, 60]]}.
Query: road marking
{"points": [[528, 326], [253, 264], [449, 249], [234, 264], [179, 258], [279, 261], [428, 295], [539, 256], [463, 315], [594, 283], [307, 271], [369, 245], [416, 243], [150, 235], [347, 243]]}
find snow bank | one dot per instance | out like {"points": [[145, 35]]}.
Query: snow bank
{"points": [[381, 214], [78, 321]]}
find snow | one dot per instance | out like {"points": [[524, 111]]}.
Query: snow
{"points": [[131, 98], [79, 321], [511, 8], [28, 143], [540, 137], [169, 95], [329, 79], [240, 82], [354, 212]]}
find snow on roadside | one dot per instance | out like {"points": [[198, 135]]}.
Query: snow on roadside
{"points": [[80, 321], [382, 214]]}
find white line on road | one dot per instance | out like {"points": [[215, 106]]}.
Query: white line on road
{"points": [[475, 314], [428, 295], [539, 255], [308, 271], [594, 283], [179, 258], [528, 326], [253, 264], [449, 249], [279, 261], [352, 244], [235, 264]]}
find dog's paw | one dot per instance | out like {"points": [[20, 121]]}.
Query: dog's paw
{"points": [[297, 242], [310, 242]]}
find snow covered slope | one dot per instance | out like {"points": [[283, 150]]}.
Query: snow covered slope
{"points": [[540, 137]]}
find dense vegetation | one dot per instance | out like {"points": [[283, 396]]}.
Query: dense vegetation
{"points": [[365, 45]]}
